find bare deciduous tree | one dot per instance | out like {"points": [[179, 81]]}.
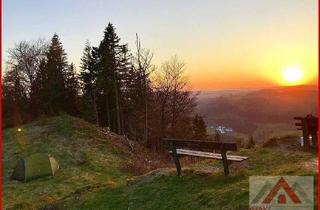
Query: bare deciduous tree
{"points": [[142, 64], [175, 100], [26, 57]]}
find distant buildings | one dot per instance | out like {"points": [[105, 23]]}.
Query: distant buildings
{"points": [[221, 129]]}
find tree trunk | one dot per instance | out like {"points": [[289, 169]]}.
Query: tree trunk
{"points": [[108, 111], [146, 123], [95, 109], [146, 109], [163, 133], [118, 122]]}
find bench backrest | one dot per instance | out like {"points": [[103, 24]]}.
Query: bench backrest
{"points": [[202, 145]]}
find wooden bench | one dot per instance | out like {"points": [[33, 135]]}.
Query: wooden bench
{"points": [[197, 148]]}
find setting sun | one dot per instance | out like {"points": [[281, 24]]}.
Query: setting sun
{"points": [[293, 75]]}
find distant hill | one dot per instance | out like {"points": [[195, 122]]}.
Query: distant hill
{"points": [[242, 110], [210, 94]]}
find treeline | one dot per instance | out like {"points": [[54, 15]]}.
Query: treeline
{"points": [[114, 87]]}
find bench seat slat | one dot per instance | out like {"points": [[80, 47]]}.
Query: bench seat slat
{"points": [[209, 155]]}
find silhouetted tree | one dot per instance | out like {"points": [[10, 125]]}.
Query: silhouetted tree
{"points": [[54, 76], [175, 103], [19, 81], [72, 90], [14, 98], [88, 77], [199, 127], [108, 77], [113, 89], [138, 92]]}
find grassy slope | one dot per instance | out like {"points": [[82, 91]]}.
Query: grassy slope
{"points": [[64, 138], [200, 191], [99, 184]]}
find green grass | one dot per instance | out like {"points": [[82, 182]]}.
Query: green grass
{"points": [[201, 191], [100, 184], [62, 137]]}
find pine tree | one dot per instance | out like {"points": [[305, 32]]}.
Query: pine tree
{"points": [[54, 76], [72, 90], [88, 77], [109, 77], [199, 127], [124, 80]]}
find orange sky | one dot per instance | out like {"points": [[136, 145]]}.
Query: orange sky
{"points": [[252, 50], [224, 43], [257, 58]]}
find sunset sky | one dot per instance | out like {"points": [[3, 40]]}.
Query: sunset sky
{"points": [[225, 44]]}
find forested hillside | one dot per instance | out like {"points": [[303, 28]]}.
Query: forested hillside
{"points": [[245, 112]]}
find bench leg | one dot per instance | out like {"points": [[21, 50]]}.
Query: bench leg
{"points": [[175, 158], [178, 166], [225, 162]]}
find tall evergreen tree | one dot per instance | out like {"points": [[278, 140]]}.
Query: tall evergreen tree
{"points": [[55, 75], [88, 77], [109, 81], [72, 90]]}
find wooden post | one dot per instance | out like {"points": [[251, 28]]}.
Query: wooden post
{"points": [[305, 133], [224, 160], [312, 123], [175, 157], [314, 139]]}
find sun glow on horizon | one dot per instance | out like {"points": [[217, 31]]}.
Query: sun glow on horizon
{"points": [[293, 75]]}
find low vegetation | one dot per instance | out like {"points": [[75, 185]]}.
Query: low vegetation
{"points": [[64, 138], [103, 179]]}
